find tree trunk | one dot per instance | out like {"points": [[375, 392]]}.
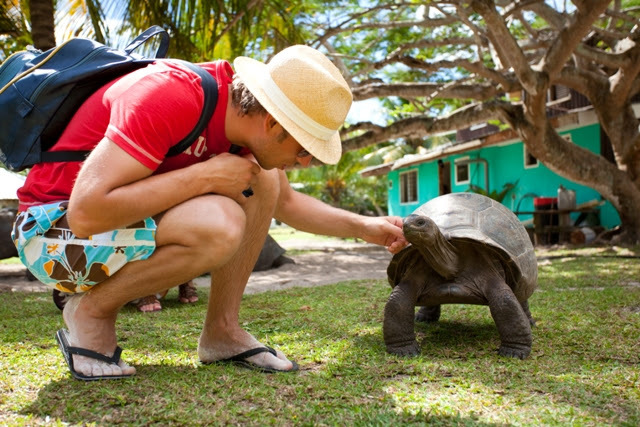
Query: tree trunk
{"points": [[616, 184], [42, 29]]}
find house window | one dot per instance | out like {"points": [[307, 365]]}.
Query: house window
{"points": [[462, 173], [530, 160], [409, 187], [558, 94]]}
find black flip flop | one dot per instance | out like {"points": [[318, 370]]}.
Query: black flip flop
{"points": [[241, 359], [62, 336]]}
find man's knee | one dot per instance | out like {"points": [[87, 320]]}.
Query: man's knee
{"points": [[267, 189], [202, 223], [268, 183]]}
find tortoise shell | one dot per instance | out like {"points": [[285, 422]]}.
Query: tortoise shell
{"points": [[477, 218]]}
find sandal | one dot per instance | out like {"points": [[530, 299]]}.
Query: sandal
{"points": [[62, 336], [147, 301], [187, 293]]}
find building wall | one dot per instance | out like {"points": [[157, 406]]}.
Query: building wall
{"points": [[506, 164]]}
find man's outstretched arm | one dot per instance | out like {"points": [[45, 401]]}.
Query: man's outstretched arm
{"points": [[306, 213]]}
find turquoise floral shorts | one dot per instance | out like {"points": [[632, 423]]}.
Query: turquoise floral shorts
{"points": [[57, 258]]}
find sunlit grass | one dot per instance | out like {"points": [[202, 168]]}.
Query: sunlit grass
{"points": [[583, 370]]}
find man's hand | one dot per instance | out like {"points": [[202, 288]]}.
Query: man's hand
{"points": [[231, 175], [385, 231]]}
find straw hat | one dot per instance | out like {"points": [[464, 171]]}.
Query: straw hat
{"points": [[305, 93]]}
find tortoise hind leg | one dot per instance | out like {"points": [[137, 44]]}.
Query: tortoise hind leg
{"points": [[511, 320], [428, 313]]}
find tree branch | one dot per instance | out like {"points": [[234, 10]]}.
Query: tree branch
{"points": [[593, 86], [624, 79], [621, 15], [481, 42], [236, 18], [533, 33], [608, 34], [339, 63], [549, 14], [473, 67], [613, 60], [506, 45], [425, 44], [571, 36], [426, 23], [423, 125], [409, 90], [341, 27]]}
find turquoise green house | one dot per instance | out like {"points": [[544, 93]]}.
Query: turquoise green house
{"points": [[490, 159]]}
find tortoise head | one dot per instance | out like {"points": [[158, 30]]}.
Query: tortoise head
{"points": [[425, 235], [420, 230]]}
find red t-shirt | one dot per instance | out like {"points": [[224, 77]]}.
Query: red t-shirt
{"points": [[145, 113]]}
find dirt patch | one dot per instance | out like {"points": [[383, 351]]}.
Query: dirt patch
{"points": [[320, 268], [326, 263], [13, 278]]}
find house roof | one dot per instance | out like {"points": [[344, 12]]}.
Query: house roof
{"points": [[9, 184], [571, 119], [376, 170], [438, 152]]}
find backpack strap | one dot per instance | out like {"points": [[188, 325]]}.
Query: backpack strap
{"points": [[63, 156], [210, 89], [154, 30]]}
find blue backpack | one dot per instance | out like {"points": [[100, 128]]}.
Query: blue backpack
{"points": [[40, 92]]}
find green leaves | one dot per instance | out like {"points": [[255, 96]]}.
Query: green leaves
{"points": [[495, 195]]}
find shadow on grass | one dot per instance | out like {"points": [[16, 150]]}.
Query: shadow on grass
{"points": [[583, 366], [215, 395]]}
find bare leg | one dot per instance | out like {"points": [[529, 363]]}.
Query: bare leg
{"points": [[188, 245], [222, 336]]}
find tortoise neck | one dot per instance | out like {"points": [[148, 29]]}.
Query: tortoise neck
{"points": [[441, 256]]}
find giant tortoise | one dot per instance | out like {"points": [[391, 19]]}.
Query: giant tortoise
{"points": [[466, 249]]}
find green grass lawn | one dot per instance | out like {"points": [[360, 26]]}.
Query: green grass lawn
{"points": [[584, 368]]}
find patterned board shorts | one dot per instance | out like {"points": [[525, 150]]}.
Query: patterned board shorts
{"points": [[58, 259]]}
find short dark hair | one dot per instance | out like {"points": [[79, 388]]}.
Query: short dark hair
{"points": [[242, 97]]}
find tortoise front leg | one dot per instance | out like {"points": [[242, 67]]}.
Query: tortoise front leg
{"points": [[398, 326], [511, 320]]}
